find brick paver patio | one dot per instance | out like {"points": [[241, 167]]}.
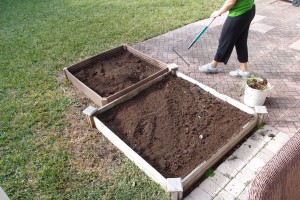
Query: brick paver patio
{"points": [[274, 53]]}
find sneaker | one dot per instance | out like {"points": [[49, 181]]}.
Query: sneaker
{"points": [[208, 69], [240, 73]]}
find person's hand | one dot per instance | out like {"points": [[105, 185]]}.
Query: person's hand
{"points": [[215, 14]]}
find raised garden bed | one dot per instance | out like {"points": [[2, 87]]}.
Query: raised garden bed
{"points": [[176, 128], [111, 74]]}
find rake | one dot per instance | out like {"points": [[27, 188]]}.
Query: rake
{"points": [[201, 32]]}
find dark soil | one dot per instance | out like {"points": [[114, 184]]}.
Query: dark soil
{"points": [[110, 76], [258, 84], [174, 125]]}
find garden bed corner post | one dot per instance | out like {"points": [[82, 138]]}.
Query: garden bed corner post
{"points": [[261, 111], [89, 112], [64, 70], [173, 68], [174, 188]]}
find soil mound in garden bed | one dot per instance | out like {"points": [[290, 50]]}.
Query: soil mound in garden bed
{"points": [[110, 76], [175, 125]]}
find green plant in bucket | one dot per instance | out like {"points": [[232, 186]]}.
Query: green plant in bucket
{"points": [[257, 83]]}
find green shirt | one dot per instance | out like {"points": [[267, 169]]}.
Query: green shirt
{"points": [[240, 7]]}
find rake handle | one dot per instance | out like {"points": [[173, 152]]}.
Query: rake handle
{"points": [[201, 32]]}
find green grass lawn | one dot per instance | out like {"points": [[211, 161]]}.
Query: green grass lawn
{"points": [[38, 38]]}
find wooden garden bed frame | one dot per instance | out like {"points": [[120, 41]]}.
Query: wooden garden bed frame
{"points": [[96, 98], [175, 186]]}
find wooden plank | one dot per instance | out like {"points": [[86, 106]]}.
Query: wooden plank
{"points": [[138, 84], [199, 171], [131, 94], [113, 52], [147, 58], [94, 59], [97, 99], [132, 155]]}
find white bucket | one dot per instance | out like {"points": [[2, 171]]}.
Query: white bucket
{"points": [[254, 97]]}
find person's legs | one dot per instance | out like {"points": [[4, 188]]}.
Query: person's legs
{"points": [[210, 68], [242, 72], [234, 33], [226, 41], [242, 55], [214, 63], [242, 49], [244, 66], [234, 29], [225, 47], [241, 45]]}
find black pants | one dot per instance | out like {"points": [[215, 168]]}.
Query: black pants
{"points": [[235, 33]]}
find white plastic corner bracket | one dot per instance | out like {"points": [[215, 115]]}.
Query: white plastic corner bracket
{"points": [[261, 111], [173, 68], [174, 188], [89, 112]]}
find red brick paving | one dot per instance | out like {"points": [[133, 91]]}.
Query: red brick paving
{"points": [[269, 57]]}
